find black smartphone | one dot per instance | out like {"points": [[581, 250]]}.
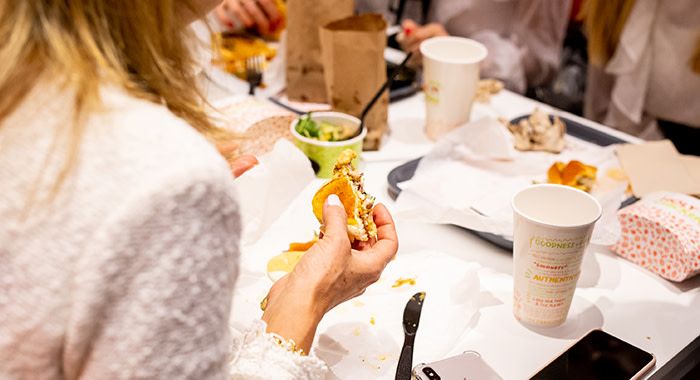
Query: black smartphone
{"points": [[599, 355]]}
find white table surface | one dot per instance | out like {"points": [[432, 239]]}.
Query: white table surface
{"points": [[613, 294]]}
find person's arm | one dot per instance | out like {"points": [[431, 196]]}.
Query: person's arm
{"points": [[539, 31], [151, 294], [331, 272]]}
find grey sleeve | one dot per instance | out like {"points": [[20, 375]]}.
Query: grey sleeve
{"points": [[152, 297]]}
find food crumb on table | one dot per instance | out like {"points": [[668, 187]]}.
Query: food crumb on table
{"points": [[404, 281]]}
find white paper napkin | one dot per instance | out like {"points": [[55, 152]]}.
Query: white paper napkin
{"points": [[266, 190], [469, 181], [483, 139], [362, 338]]}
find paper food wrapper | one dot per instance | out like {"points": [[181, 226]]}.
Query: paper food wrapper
{"points": [[266, 190], [305, 80], [661, 232], [352, 52], [258, 123], [238, 113], [362, 338], [471, 175], [657, 166]]}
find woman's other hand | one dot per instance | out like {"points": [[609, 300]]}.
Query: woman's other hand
{"points": [[242, 164], [413, 34], [331, 272], [260, 14]]}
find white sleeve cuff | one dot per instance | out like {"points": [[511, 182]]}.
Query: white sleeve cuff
{"points": [[255, 355]]}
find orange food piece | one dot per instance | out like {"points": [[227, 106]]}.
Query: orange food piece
{"points": [[234, 50], [575, 174], [554, 173], [343, 189], [302, 246]]}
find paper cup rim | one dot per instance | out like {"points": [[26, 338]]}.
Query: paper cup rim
{"points": [[465, 41], [341, 115], [563, 187]]}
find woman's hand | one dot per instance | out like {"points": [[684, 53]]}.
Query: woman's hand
{"points": [[261, 14], [414, 34], [331, 272], [242, 164]]}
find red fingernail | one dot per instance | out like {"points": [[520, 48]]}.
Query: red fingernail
{"points": [[407, 31], [229, 24]]}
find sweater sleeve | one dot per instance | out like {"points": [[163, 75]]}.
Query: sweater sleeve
{"points": [[151, 296]]}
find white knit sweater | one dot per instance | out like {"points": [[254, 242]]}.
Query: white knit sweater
{"points": [[128, 272]]}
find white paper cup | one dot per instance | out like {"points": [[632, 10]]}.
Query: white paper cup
{"points": [[552, 228], [450, 77]]}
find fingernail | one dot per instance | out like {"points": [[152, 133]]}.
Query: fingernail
{"points": [[407, 31], [333, 200]]}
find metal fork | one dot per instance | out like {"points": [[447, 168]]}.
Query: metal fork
{"points": [[254, 72]]}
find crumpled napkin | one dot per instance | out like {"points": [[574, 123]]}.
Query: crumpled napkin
{"points": [[266, 190], [470, 177]]}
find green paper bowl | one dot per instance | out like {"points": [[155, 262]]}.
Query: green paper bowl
{"points": [[323, 154]]}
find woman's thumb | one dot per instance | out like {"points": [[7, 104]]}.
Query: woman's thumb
{"points": [[335, 219]]}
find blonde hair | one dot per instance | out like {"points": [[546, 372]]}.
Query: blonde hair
{"points": [[604, 21], [695, 59], [139, 45]]}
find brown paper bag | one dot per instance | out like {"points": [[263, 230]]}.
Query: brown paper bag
{"points": [[304, 68], [352, 50]]}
